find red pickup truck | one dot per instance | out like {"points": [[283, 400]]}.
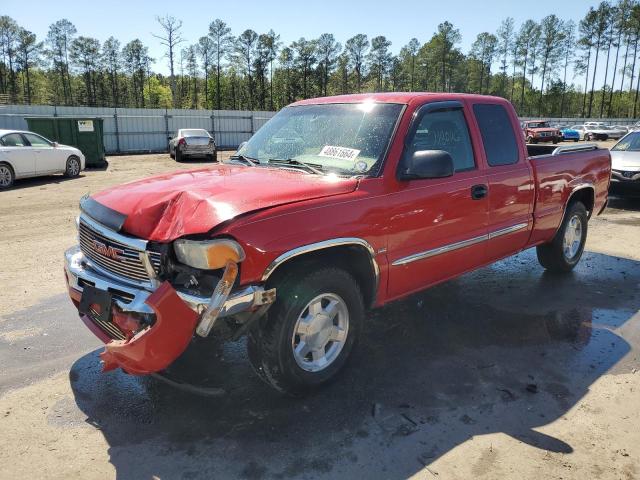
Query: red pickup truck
{"points": [[336, 205]]}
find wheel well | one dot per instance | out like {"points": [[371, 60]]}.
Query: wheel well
{"points": [[584, 195], [354, 259], [8, 165]]}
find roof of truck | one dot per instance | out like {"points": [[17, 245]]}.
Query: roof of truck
{"points": [[395, 97]]}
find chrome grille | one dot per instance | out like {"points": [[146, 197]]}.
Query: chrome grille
{"points": [[127, 265], [107, 327]]}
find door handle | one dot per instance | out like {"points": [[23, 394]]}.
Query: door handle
{"points": [[479, 191]]}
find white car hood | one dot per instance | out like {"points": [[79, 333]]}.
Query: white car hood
{"points": [[625, 161]]}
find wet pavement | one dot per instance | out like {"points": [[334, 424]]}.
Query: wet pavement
{"points": [[508, 353]]}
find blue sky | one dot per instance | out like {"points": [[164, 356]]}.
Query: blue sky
{"points": [[398, 21]]}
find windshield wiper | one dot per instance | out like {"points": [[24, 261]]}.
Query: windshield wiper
{"points": [[251, 161], [317, 169]]}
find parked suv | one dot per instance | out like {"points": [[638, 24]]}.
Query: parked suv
{"points": [[540, 131]]}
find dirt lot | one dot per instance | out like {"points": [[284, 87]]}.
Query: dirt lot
{"points": [[504, 373]]}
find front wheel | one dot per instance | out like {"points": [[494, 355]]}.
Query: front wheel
{"points": [[73, 167], [309, 332], [563, 253]]}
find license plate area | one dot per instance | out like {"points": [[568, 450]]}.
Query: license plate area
{"points": [[96, 303]]}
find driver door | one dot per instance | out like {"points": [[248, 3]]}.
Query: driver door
{"points": [[438, 227]]}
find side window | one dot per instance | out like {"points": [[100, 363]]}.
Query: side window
{"points": [[37, 140], [445, 130], [498, 137], [12, 140]]}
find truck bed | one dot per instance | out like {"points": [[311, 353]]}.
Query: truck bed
{"points": [[559, 171]]}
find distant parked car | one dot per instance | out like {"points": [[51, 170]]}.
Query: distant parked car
{"points": [[614, 133], [625, 165], [27, 154], [569, 134], [192, 142], [590, 133], [540, 131]]}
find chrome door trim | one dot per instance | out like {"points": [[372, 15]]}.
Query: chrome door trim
{"points": [[313, 247], [507, 230], [440, 250], [458, 245]]}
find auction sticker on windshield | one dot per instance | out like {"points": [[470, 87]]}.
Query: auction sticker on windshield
{"points": [[342, 153]]}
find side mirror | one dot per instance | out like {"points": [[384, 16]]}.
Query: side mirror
{"points": [[427, 164], [55, 144]]}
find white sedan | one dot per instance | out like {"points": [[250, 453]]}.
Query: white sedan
{"points": [[27, 154]]}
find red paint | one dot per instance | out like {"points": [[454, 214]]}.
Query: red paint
{"points": [[535, 132], [156, 347], [271, 211]]}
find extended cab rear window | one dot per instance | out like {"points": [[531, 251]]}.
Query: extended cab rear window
{"points": [[498, 136]]}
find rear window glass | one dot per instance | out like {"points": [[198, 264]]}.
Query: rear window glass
{"points": [[194, 133], [498, 137]]}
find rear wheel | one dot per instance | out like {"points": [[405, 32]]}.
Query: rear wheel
{"points": [[563, 253], [178, 155], [73, 167], [171, 154], [576, 139], [7, 176], [309, 332]]}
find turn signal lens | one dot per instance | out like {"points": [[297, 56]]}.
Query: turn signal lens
{"points": [[208, 254]]}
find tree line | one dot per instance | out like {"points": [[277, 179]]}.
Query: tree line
{"points": [[554, 67]]}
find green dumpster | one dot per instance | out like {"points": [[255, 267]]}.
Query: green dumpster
{"points": [[84, 133]]}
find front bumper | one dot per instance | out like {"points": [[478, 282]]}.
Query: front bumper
{"points": [[175, 315], [625, 182]]}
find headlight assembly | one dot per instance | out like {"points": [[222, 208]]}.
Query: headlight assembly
{"points": [[208, 254]]}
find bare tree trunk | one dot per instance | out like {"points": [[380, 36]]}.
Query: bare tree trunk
{"points": [[615, 70]]}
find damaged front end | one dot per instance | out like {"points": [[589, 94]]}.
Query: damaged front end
{"points": [[146, 317]]}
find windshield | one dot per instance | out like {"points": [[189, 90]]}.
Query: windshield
{"points": [[344, 138], [194, 133], [538, 125], [630, 143]]}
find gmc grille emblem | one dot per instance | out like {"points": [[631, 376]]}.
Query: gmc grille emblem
{"points": [[107, 250]]}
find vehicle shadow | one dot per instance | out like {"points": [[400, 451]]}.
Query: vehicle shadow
{"points": [[41, 181], [630, 203], [505, 349]]}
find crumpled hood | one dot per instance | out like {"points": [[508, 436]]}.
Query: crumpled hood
{"points": [[169, 206]]}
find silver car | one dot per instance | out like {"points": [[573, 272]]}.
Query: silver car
{"points": [[192, 142], [625, 165]]}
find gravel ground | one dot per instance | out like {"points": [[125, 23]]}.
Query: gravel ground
{"points": [[506, 372]]}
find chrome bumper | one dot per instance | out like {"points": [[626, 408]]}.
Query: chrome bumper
{"points": [[243, 300]]}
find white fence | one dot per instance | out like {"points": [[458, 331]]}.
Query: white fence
{"points": [[129, 130]]}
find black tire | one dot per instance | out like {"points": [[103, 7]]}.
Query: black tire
{"points": [[178, 155], [530, 139], [588, 137], [552, 255], [554, 141], [7, 176], [73, 167], [576, 139], [171, 154], [270, 343], [212, 157]]}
